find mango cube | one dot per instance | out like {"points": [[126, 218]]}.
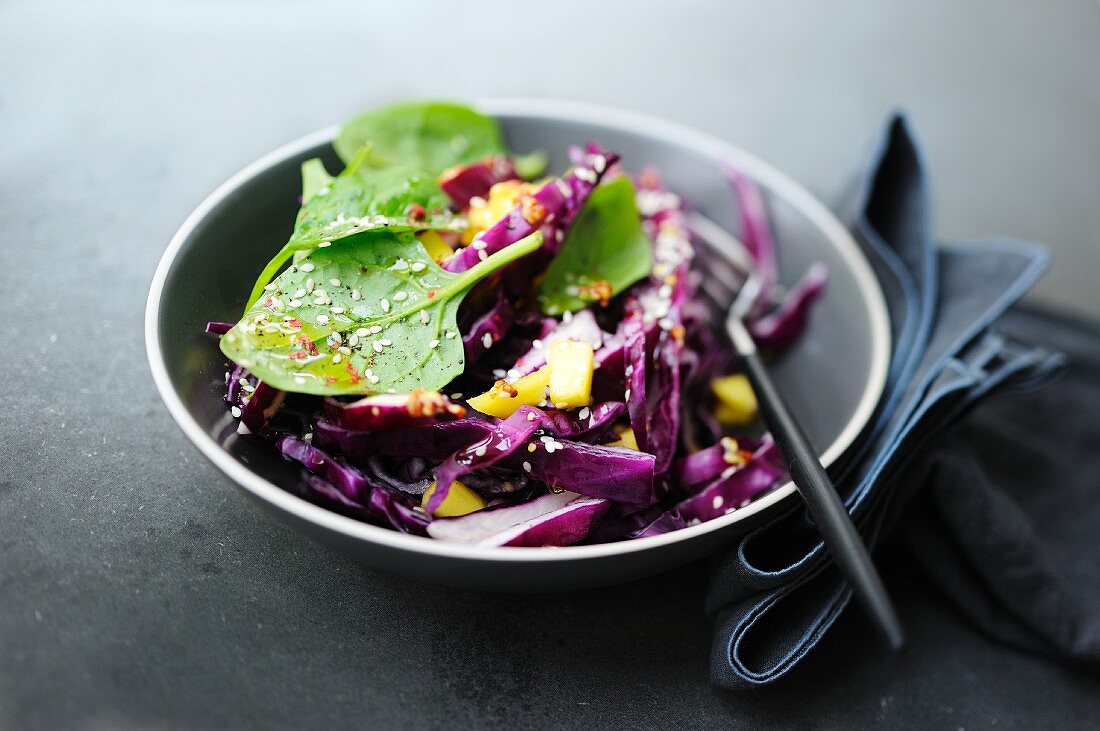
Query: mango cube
{"points": [[460, 500], [503, 197], [626, 438], [435, 245], [571, 363], [504, 398], [736, 401]]}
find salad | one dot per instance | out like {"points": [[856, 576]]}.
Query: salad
{"points": [[459, 344]]}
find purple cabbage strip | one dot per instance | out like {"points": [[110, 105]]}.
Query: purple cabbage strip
{"points": [[349, 480], [724, 495], [555, 519], [780, 328], [558, 198], [389, 412], [634, 372], [218, 328], [708, 463], [474, 180], [495, 324], [261, 406], [756, 232], [580, 326], [601, 417], [433, 441], [388, 504], [616, 473]]}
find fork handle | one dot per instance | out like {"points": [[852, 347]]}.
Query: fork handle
{"points": [[826, 508]]}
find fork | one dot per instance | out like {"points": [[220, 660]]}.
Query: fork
{"points": [[729, 262]]}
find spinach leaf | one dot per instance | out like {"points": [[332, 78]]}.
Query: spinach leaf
{"points": [[373, 314], [431, 136], [359, 199], [604, 252]]}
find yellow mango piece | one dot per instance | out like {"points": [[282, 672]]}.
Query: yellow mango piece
{"points": [[736, 401], [571, 364], [460, 500], [485, 212], [504, 398], [435, 245], [626, 438]]}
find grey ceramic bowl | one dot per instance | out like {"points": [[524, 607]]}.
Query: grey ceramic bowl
{"points": [[832, 377]]}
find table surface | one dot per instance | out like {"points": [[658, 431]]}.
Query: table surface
{"points": [[138, 589]]}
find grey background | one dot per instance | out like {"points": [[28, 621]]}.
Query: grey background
{"points": [[138, 589]]}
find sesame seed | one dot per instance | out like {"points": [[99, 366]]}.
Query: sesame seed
{"points": [[536, 344], [586, 175], [362, 332], [585, 413], [356, 295], [717, 502], [334, 282], [513, 373], [479, 244], [448, 334], [499, 373], [567, 317], [295, 303], [377, 346], [563, 187], [309, 286], [337, 310], [487, 341], [480, 451], [270, 287], [353, 340], [400, 296], [456, 395], [344, 349], [337, 338], [307, 267], [425, 317], [300, 292], [665, 323], [299, 380], [336, 358], [386, 341], [320, 300], [531, 416], [322, 319], [599, 163], [433, 344], [235, 411], [375, 329], [385, 304], [531, 447], [374, 379], [324, 244], [526, 466], [418, 266], [482, 255]]}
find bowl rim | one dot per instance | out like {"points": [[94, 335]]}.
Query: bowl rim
{"points": [[702, 144]]}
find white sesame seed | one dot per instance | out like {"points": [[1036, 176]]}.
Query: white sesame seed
{"points": [[320, 300], [322, 319], [531, 416], [344, 349], [377, 346], [563, 187], [353, 340], [479, 244], [336, 358], [448, 334], [599, 163], [433, 344], [456, 395], [334, 282], [337, 310], [295, 303], [513, 373], [270, 287], [480, 451], [309, 286], [299, 380], [400, 296], [362, 332], [536, 344], [499, 373], [584, 413], [481, 255], [337, 338], [418, 266], [324, 244], [307, 267], [567, 317], [717, 503], [526, 466], [356, 295], [665, 323], [375, 329], [487, 341], [374, 379], [586, 175], [300, 292], [386, 341], [425, 317], [385, 304]]}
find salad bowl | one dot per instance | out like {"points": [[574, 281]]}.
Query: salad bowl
{"points": [[832, 377]]}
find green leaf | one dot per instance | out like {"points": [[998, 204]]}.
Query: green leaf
{"points": [[431, 136], [316, 328], [605, 243], [314, 178], [360, 199], [531, 165]]}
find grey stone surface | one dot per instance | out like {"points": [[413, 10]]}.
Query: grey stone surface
{"points": [[138, 589]]}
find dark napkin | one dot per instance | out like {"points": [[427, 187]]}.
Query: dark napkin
{"points": [[777, 591]]}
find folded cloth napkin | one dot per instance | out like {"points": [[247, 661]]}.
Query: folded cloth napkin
{"points": [[776, 591], [1005, 516]]}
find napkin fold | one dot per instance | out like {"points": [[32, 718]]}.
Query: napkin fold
{"points": [[776, 591]]}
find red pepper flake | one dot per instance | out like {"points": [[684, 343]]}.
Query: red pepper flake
{"points": [[298, 355], [330, 379], [354, 373], [294, 322], [417, 212], [431, 293]]}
